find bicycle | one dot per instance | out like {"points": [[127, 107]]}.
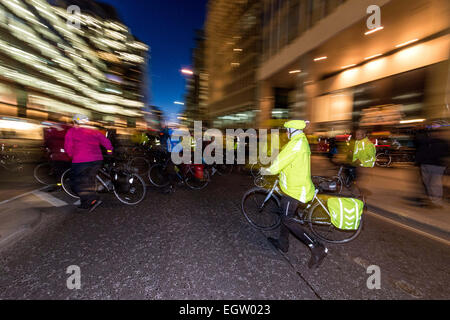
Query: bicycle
{"points": [[262, 209], [184, 173], [128, 187]]}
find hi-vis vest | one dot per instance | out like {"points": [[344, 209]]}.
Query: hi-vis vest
{"points": [[345, 213], [293, 164], [365, 152]]}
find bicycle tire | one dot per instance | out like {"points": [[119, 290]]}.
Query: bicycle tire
{"points": [[65, 184], [224, 169], [157, 176], [272, 213], [384, 164], [254, 170], [124, 200], [191, 180], [320, 224], [42, 174], [141, 164]]}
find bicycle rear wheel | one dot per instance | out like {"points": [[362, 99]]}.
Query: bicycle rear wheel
{"points": [[158, 176], [195, 183], [132, 189], [261, 212], [320, 224]]}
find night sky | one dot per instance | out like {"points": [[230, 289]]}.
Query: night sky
{"points": [[168, 26]]}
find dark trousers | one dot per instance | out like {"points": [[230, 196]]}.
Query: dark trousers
{"points": [[171, 173], [351, 172], [288, 224], [83, 181], [59, 167]]}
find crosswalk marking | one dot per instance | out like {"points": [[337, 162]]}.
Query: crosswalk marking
{"points": [[50, 199]]}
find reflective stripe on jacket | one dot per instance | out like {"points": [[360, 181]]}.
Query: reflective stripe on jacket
{"points": [[365, 152], [293, 164]]}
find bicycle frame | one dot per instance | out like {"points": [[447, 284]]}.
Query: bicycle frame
{"points": [[99, 178], [276, 189]]}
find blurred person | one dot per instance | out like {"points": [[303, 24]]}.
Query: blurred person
{"points": [[83, 144], [432, 155], [362, 154], [164, 137], [293, 165], [171, 170], [333, 149], [54, 143]]}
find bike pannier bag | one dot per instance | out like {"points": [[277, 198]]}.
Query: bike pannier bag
{"points": [[328, 185], [345, 213], [198, 172], [123, 182]]}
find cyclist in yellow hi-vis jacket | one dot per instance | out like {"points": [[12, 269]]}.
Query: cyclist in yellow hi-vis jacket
{"points": [[362, 154], [293, 165]]}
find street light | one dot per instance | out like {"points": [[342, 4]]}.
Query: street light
{"points": [[187, 71]]}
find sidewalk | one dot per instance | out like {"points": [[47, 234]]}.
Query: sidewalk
{"points": [[388, 191]]}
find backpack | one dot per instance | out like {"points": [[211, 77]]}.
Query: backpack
{"points": [[345, 213]]}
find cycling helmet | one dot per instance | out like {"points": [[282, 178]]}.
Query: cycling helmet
{"points": [[80, 119], [296, 124]]}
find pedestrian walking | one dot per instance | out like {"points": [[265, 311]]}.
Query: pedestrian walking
{"points": [[432, 156]]}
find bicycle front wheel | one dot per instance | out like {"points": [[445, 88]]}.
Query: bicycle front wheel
{"points": [[67, 184], [320, 224], [132, 189], [260, 210]]}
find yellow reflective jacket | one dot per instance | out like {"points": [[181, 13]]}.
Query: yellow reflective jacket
{"points": [[293, 164], [365, 152]]}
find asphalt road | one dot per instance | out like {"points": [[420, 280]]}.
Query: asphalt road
{"points": [[197, 245]]}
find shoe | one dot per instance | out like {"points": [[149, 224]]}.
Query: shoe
{"points": [[169, 189], [277, 245], [95, 204], [318, 254], [77, 203]]}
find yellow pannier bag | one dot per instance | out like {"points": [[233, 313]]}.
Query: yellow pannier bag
{"points": [[345, 213]]}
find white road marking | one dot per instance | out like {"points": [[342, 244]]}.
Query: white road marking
{"points": [[50, 199], [399, 224]]}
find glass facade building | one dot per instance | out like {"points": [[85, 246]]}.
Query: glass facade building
{"points": [[59, 58]]}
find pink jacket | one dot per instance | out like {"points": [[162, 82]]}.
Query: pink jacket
{"points": [[83, 145]]}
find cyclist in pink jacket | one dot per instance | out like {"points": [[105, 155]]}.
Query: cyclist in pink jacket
{"points": [[83, 145]]}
